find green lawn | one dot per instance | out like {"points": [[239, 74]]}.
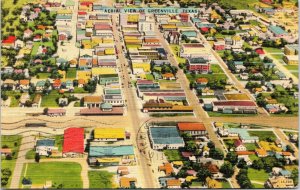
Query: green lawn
{"points": [[216, 68], [175, 49], [43, 75], [258, 175], [30, 154], [262, 135], [219, 76], [172, 155], [36, 45], [196, 184], [78, 90], [50, 99], [100, 179], [226, 185], [293, 69], [65, 173], [71, 74], [272, 50], [277, 56], [228, 143], [10, 164], [149, 77], [14, 102], [253, 157], [250, 146], [258, 186], [218, 114]]}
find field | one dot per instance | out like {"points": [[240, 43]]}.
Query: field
{"points": [[250, 146], [149, 77], [79, 90], [253, 157], [71, 73], [216, 68], [36, 45], [50, 99], [100, 179], [208, 76], [293, 69], [226, 184], [65, 173], [262, 135], [272, 50], [175, 49], [258, 175], [172, 155], [43, 75], [236, 97]]}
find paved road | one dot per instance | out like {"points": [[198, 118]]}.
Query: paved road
{"points": [[132, 108], [27, 143], [282, 136], [192, 99]]}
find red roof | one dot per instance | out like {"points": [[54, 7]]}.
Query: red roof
{"points": [[260, 51], [187, 154], [73, 140], [57, 83], [86, 3], [144, 82], [102, 27], [204, 29], [82, 13], [234, 103], [244, 152], [191, 127], [238, 143], [9, 40]]}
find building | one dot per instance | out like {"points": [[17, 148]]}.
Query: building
{"points": [[128, 183], [56, 112], [109, 134], [194, 50], [73, 145], [198, 65], [111, 155], [291, 59], [194, 129], [165, 137], [114, 99], [234, 106], [239, 146], [92, 101], [213, 184], [167, 168], [280, 182], [173, 184], [277, 31], [291, 49], [44, 147]]}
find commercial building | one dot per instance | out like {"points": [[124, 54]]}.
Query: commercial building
{"points": [[109, 134]]}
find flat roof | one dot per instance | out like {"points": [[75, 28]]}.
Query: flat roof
{"points": [[98, 151], [165, 135]]}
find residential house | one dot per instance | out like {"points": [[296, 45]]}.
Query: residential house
{"points": [[44, 147], [167, 168], [194, 129], [92, 101], [24, 85], [239, 146]]}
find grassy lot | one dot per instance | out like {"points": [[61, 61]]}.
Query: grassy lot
{"points": [[293, 69], [253, 157], [250, 146], [65, 173], [219, 76], [226, 184], [175, 49], [196, 184], [172, 155], [216, 68], [287, 133], [228, 143], [258, 175], [277, 56], [30, 154], [218, 114], [258, 186], [262, 135], [13, 142], [12, 94], [100, 179], [79, 90], [272, 50], [238, 4], [149, 77], [71, 74], [43, 75], [50, 99], [36, 45]]}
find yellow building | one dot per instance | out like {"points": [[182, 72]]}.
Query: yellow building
{"points": [[85, 75], [64, 11], [190, 178], [109, 51], [145, 66], [108, 134], [24, 51], [133, 18], [291, 49], [213, 184], [103, 71], [63, 73], [269, 146], [291, 59]]}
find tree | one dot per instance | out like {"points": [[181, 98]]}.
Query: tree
{"points": [[191, 146], [289, 149], [37, 157], [227, 169], [210, 144], [216, 153], [242, 164], [26, 181], [182, 173], [295, 176], [231, 157], [258, 164], [203, 173]]}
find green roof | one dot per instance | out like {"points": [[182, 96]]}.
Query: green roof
{"points": [[277, 30], [98, 151], [112, 91], [45, 142], [70, 3], [106, 106], [40, 83], [165, 135]]}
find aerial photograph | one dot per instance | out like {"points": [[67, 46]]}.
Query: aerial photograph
{"points": [[158, 94]]}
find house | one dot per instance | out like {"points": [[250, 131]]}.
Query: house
{"points": [[123, 170], [81, 83], [159, 141], [24, 84], [239, 146], [44, 147], [277, 31], [109, 134], [173, 183], [73, 145], [198, 65], [167, 168], [128, 183], [194, 129], [56, 112], [291, 59], [190, 50], [114, 99], [56, 84], [27, 33], [40, 85], [291, 49], [92, 101], [214, 170], [9, 42], [261, 152], [280, 182], [202, 81], [212, 183], [168, 76], [9, 83], [219, 45], [6, 152]]}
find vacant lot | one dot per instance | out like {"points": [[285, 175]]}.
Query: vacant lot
{"points": [[71, 73], [100, 179], [50, 99], [263, 135], [258, 175], [175, 49], [65, 173], [172, 155]]}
